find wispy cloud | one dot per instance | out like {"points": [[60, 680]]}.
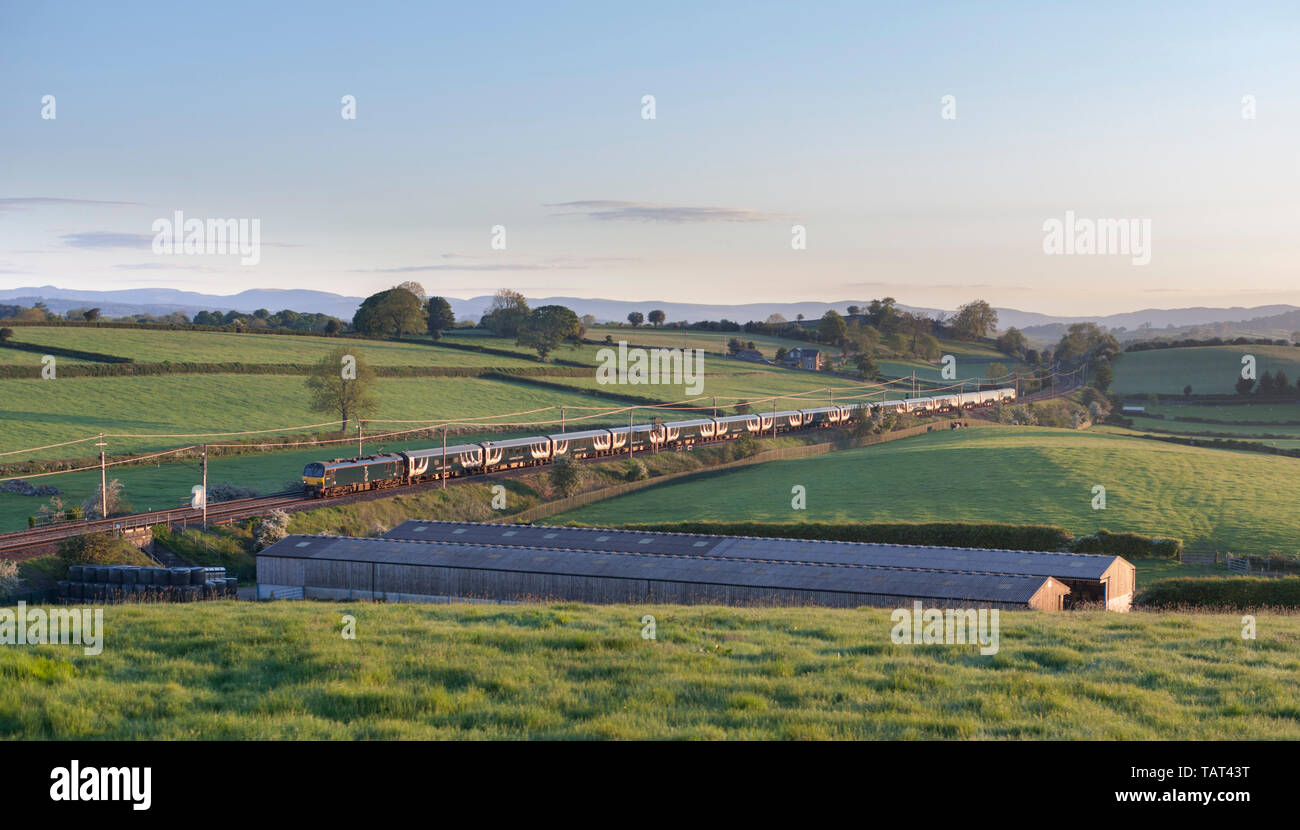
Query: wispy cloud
{"points": [[609, 210], [939, 286], [162, 266], [411, 269], [107, 239], [29, 202]]}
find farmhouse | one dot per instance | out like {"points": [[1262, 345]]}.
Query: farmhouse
{"points": [[1091, 578], [801, 358]]}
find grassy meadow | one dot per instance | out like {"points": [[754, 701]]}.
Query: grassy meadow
{"points": [[177, 346], [273, 671], [1230, 501], [1209, 370]]}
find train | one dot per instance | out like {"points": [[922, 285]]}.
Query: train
{"points": [[398, 469]]}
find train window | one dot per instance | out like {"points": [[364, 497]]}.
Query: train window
{"points": [[314, 470]]}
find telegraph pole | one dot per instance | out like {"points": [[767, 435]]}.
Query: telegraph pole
{"points": [[444, 457], [103, 479], [358, 438], [629, 434], [561, 419]]}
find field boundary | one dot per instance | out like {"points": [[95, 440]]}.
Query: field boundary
{"points": [[551, 508], [126, 369]]}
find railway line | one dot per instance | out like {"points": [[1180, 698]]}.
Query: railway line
{"points": [[39, 541]]}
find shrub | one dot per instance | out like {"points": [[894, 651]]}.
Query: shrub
{"points": [[1236, 592], [9, 580], [564, 476], [100, 549], [270, 529], [225, 491], [1128, 545], [636, 470], [93, 506]]}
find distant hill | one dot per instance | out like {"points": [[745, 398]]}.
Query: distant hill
{"points": [[1280, 320]]}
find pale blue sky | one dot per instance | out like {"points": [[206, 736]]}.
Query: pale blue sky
{"points": [[826, 116]]}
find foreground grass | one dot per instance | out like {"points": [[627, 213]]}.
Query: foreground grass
{"points": [[1231, 501], [283, 671]]}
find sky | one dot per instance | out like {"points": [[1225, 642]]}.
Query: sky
{"points": [[529, 117]]}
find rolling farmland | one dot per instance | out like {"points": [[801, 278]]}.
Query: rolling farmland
{"points": [[1239, 502], [1208, 370]]}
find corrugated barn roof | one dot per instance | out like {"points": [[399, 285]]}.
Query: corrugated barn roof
{"points": [[982, 560], [975, 587]]}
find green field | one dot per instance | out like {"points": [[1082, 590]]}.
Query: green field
{"points": [[39, 412], [1231, 501], [1209, 370], [274, 671], [157, 346], [1221, 430], [1262, 412]]}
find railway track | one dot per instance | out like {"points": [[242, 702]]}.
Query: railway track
{"points": [[27, 544]]}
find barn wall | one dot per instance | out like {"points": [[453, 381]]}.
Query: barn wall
{"points": [[1051, 597], [1121, 581], [334, 579]]}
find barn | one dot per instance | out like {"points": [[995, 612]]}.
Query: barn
{"points": [[328, 567], [1092, 579]]}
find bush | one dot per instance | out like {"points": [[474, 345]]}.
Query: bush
{"points": [[1235, 592], [745, 446], [9, 580], [100, 549], [270, 529], [564, 476], [636, 470], [1128, 545], [224, 491]]}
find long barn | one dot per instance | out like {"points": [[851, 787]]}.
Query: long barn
{"points": [[1091, 578], [441, 561], [333, 567]]}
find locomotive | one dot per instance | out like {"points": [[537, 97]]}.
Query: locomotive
{"points": [[397, 469]]}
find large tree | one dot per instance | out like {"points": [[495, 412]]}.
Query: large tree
{"points": [[505, 313], [547, 327], [416, 289], [1085, 342], [441, 317], [342, 382], [974, 320], [832, 328], [390, 313], [636, 318], [657, 318], [1012, 342]]}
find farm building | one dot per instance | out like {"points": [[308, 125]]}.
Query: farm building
{"points": [[332, 567], [1090, 578]]}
